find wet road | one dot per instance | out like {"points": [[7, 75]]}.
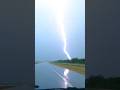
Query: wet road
{"points": [[51, 76]]}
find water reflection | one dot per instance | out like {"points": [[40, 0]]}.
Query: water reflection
{"points": [[66, 72], [62, 79]]}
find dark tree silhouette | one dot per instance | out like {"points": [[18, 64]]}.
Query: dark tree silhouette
{"points": [[101, 82], [74, 60]]}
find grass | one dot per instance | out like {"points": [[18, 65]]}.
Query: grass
{"points": [[80, 68]]}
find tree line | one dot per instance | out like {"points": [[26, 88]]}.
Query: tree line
{"points": [[73, 60]]}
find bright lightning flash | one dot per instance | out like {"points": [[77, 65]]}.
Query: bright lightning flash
{"points": [[59, 9]]}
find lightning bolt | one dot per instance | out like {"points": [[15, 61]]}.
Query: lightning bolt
{"points": [[63, 34], [58, 7]]}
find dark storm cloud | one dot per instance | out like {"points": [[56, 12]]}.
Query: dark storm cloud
{"points": [[102, 37]]}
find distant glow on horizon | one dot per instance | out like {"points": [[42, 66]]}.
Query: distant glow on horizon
{"points": [[59, 7]]}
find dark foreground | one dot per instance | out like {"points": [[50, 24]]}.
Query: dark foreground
{"points": [[101, 83]]}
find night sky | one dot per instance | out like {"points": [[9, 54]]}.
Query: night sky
{"points": [[48, 41]]}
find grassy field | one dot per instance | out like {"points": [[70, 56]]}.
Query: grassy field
{"points": [[80, 68]]}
